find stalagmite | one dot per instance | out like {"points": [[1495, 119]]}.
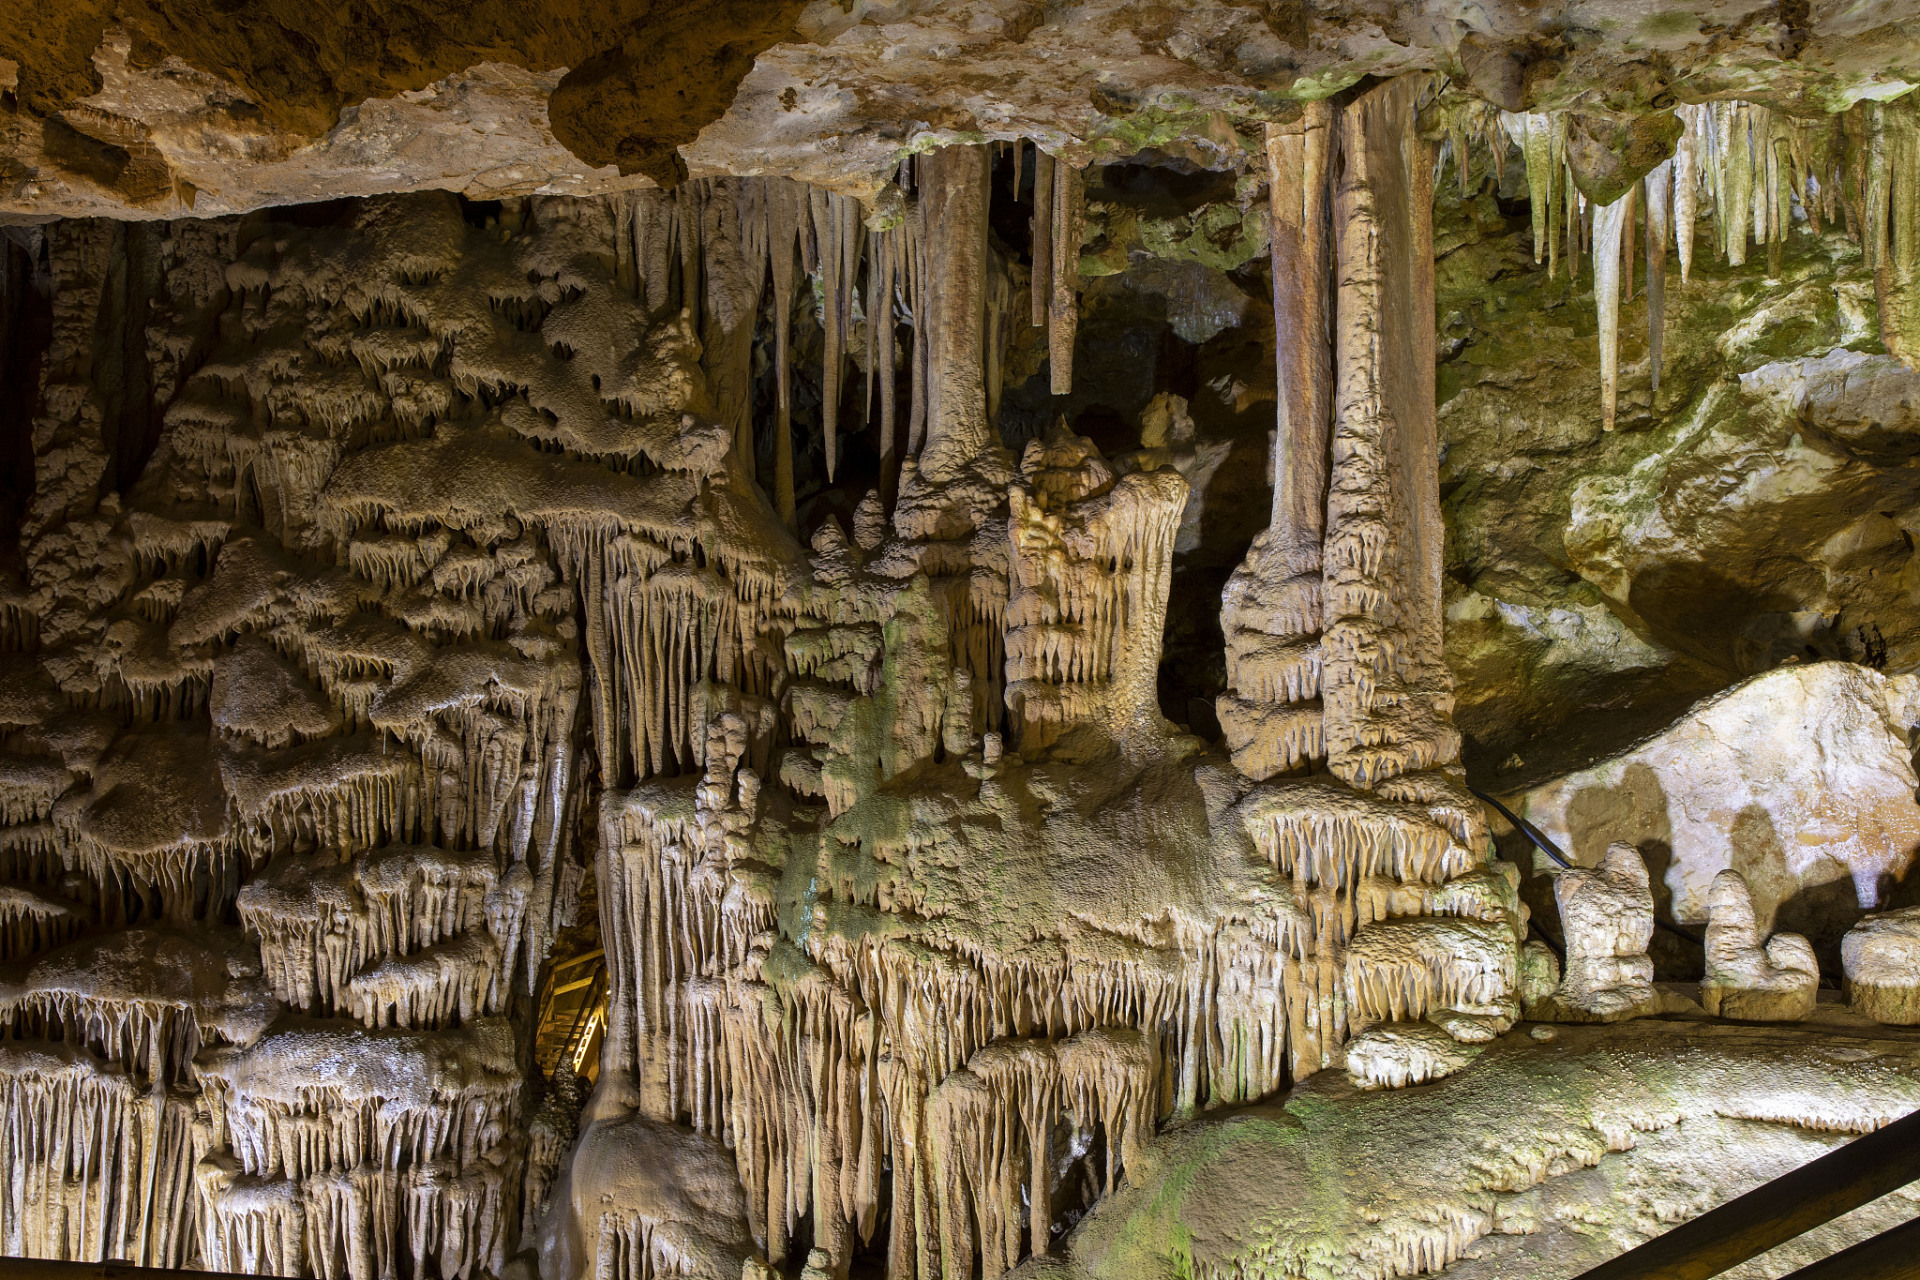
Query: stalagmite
{"points": [[1775, 980], [1607, 914], [1882, 959]]}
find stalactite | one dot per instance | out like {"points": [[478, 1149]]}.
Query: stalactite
{"points": [[1063, 315], [1533, 131], [1609, 222], [914, 231], [1042, 232], [1686, 185], [953, 194], [1560, 192], [883, 347], [1734, 150], [1627, 222], [1897, 263], [785, 226], [839, 233], [98, 1167], [394, 1144], [1659, 186]]}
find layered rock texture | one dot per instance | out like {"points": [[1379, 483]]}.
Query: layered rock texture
{"points": [[714, 641]]}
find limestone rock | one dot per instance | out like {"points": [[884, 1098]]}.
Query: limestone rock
{"points": [[1801, 780], [1882, 957], [1606, 913], [1755, 511], [1539, 976], [147, 111], [1393, 1055], [1428, 1179], [654, 1188], [441, 583], [1775, 982]]}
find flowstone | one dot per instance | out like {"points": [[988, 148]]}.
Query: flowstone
{"points": [[1493, 1169]]}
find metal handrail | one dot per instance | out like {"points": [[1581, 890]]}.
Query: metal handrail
{"points": [[1552, 850], [1892, 1255]]}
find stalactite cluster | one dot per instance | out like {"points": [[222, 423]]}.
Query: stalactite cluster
{"points": [[453, 532], [1753, 173], [397, 575]]}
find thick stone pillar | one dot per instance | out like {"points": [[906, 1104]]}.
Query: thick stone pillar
{"points": [[1387, 694], [953, 190], [1270, 612]]}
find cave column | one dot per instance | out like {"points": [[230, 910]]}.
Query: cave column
{"points": [[1270, 612], [1302, 301], [953, 185], [1387, 694], [952, 507]]}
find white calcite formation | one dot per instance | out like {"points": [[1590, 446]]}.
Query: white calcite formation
{"points": [[1607, 915], [1882, 958], [397, 576], [1760, 980], [1745, 781]]}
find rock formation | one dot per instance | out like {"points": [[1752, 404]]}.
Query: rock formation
{"points": [[1739, 782], [641, 641], [1607, 913], [1880, 954], [1772, 982]]}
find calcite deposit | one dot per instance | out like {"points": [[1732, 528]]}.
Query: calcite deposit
{"points": [[943, 640]]}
